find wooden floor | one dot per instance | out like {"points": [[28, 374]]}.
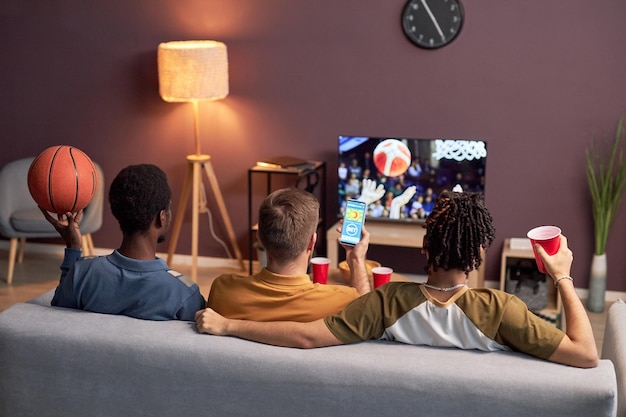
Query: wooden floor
{"points": [[40, 272]]}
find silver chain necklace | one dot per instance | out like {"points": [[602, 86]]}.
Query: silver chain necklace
{"points": [[446, 289]]}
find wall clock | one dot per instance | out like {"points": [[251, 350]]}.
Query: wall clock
{"points": [[432, 24]]}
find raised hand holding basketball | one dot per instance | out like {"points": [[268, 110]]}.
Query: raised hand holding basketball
{"points": [[67, 226], [62, 179]]}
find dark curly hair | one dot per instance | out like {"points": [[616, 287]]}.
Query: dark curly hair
{"points": [[457, 229], [138, 194]]}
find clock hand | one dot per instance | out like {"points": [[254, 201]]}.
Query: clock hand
{"points": [[433, 19]]}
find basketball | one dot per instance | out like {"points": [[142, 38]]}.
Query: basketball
{"points": [[392, 157], [62, 179]]}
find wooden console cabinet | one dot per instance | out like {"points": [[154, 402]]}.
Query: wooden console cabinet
{"points": [[410, 235], [552, 312]]}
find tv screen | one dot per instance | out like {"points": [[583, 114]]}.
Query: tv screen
{"points": [[401, 178]]}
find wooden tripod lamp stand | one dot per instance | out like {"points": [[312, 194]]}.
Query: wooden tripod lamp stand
{"points": [[193, 71]]}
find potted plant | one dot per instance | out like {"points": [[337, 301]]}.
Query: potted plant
{"points": [[606, 175]]}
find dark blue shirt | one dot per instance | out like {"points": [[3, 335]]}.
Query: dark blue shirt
{"points": [[115, 284]]}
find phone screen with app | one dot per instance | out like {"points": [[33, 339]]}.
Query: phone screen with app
{"points": [[353, 222]]}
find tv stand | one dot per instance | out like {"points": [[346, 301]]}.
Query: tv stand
{"points": [[410, 235]]}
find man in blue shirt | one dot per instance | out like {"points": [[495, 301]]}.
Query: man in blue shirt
{"points": [[131, 281]]}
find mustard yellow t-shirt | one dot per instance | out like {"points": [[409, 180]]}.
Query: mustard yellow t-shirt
{"points": [[270, 297]]}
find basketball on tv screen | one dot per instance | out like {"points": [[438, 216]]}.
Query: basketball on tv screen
{"points": [[400, 178]]}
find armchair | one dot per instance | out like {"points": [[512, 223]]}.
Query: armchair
{"points": [[20, 217]]}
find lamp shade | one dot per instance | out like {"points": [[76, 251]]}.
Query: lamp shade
{"points": [[192, 70]]}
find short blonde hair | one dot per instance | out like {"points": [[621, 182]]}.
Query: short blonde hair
{"points": [[287, 219]]}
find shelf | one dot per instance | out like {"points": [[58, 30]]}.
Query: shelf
{"points": [[310, 176], [301, 170], [552, 312], [409, 235]]}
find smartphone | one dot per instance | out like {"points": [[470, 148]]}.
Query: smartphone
{"points": [[353, 222]]}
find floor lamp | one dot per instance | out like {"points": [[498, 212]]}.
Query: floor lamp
{"points": [[193, 71]]}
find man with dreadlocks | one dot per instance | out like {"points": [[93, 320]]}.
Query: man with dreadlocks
{"points": [[443, 311]]}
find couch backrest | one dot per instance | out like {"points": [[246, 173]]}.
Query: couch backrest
{"points": [[56, 361], [614, 349]]}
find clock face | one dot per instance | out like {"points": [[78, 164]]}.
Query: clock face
{"points": [[432, 23]]}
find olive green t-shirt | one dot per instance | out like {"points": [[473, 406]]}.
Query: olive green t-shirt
{"points": [[482, 318]]}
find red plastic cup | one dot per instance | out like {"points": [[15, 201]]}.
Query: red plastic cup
{"points": [[382, 275], [549, 237], [319, 267]]}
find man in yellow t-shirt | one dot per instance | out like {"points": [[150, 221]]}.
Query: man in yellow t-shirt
{"points": [[443, 311], [288, 220]]}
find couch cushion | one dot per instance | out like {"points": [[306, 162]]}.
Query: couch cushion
{"points": [[614, 349], [31, 220], [44, 299]]}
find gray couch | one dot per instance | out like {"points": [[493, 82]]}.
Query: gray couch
{"points": [[62, 362], [614, 349]]}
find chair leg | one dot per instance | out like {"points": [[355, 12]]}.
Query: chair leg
{"points": [[87, 245], [12, 253], [20, 249]]}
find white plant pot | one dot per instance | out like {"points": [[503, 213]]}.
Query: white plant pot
{"points": [[597, 284]]}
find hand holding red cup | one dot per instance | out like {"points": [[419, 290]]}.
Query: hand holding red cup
{"points": [[549, 237]]}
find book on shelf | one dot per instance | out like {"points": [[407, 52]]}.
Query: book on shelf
{"points": [[283, 162]]}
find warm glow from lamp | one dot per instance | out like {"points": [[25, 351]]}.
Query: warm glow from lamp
{"points": [[192, 71]]}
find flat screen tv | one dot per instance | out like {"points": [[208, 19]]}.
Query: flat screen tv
{"points": [[403, 177]]}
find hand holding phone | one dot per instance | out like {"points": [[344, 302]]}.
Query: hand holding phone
{"points": [[352, 222]]}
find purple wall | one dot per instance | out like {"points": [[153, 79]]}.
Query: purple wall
{"points": [[537, 80]]}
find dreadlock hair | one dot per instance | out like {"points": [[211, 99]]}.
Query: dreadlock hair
{"points": [[456, 230]]}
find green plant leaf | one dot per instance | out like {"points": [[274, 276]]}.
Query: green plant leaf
{"points": [[606, 175]]}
